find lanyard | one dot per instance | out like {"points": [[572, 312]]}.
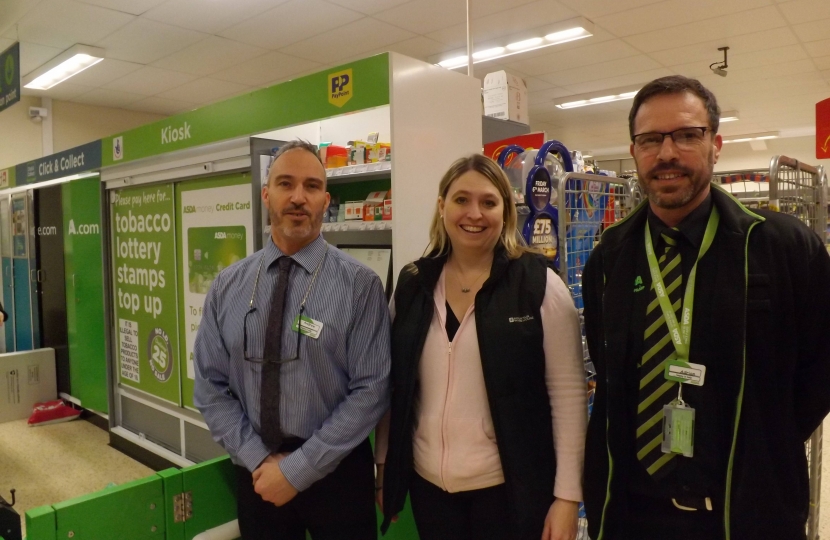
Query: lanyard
{"points": [[307, 291], [680, 333]]}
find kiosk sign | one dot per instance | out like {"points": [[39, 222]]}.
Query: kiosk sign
{"points": [[10, 76]]}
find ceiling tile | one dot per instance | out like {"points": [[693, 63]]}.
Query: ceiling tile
{"points": [[593, 9], [63, 23], [368, 7], [737, 24], [144, 41], [419, 47], [32, 56], [64, 91], [802, 11], [708, 51], [105, 72], [424, 16], [209, 56], [822, 62], [268, 67], [811, 31], [818, 48], [135, 7], [536, 85], [559, 60], [209, 16], [149, 81], [159, 105], [103, 97], [204, 91], [628, 79], [738, 62], [348, 40], [483, 8], [672, 13], [521, 18], [605, 70], [6, 43], [291, 22]]}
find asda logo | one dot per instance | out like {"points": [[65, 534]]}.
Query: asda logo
{"points": [[189, 210], [84, 228], [170, 134], [225, 235]]}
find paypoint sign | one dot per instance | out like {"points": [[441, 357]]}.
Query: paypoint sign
{"points": [[823, 129], [10, 76], [341, 88]]}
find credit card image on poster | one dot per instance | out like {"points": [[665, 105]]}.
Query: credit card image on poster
{"points": [[211, 250]]}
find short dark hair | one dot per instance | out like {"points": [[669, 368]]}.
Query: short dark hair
{"points": [[298, 143], [676, 84], [293, 145]]}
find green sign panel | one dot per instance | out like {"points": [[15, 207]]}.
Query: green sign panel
{"points": [[84, 266], [215, 229], [361, 85], [10, 76], [144, 239]]}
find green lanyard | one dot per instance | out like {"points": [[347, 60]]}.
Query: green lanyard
{"points": [[680, 333]]}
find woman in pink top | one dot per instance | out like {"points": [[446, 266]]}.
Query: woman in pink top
{"points": [[487, 426]]}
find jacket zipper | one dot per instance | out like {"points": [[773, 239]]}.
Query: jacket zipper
{"points": [[728, 495]]}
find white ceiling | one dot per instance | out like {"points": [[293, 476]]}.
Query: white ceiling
{"points": [[169, 56]]}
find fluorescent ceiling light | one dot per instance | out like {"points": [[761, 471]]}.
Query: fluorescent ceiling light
{"points": [[574, 103], [524, 44], [751, 137], [67, 64], [564, 32], [488, 53], [728, 116], [567, 35]]}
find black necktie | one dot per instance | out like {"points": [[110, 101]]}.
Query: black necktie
{"points": [[269, 415], [655, 390]]}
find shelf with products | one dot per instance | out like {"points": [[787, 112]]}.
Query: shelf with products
{"points": [[359, 173]]}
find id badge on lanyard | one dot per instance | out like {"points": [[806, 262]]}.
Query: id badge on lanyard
{"points": [[679, 416]]}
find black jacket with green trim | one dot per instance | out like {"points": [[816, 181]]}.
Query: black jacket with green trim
{"points": [[761, 318]]}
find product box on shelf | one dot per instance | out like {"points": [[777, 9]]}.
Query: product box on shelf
{"points": [[373, 206], [334, 156], [505, 97]]}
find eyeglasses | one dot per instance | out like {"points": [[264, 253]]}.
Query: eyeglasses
{"points": [[265, 360], [688, 138]]}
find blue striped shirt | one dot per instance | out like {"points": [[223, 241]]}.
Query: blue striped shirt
{"points": [[337, 391]]}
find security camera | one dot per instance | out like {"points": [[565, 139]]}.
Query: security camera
{"points": [[719, 68], [37, 114]]}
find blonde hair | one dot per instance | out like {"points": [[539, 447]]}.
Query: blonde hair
{"points": [[510, 239]]}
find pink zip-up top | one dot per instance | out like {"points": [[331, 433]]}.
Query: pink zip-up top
{"points": [[454, 440]]}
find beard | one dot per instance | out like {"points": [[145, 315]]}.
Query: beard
{"points": [[679, 196], [282, 223]]}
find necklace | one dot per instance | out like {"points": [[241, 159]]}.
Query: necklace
{"points": [[458, 275]]}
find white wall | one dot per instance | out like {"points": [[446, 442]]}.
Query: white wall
{"points": [[73, 124], [20, 138]]}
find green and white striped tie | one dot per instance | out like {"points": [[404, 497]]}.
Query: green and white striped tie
{"points": [[655, 390]]}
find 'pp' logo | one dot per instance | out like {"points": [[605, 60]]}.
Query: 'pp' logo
{"points": [[340, 87]]}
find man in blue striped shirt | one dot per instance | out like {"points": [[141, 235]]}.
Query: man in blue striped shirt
{"points": [[305, 463]]}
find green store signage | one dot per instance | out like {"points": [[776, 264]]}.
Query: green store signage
{"points": [[361, 85], [10, 76], [144, 240]]}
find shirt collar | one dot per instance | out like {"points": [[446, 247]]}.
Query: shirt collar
{"points": [[308, 258], [693, 226]]}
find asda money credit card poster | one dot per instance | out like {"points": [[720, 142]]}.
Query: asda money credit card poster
{"points": [[146, 310], [215, 231]]}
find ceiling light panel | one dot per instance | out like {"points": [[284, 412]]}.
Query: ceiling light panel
{"points": [[547, 36], [64, 66]]}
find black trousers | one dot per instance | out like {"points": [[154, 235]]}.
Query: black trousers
{"points": [[479, 514], [341, 506], [651, 518]]}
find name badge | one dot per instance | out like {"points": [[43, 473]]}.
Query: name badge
{"points": [[685, 372], [307, 326], [678, 429]]}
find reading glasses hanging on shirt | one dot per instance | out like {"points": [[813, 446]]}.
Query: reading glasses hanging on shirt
{"points": [[252, 309]]}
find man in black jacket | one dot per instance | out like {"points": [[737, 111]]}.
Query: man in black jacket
{"points": [[707, 323]]}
